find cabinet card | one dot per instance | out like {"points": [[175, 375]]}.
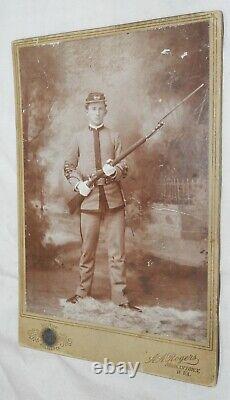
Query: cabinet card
{"points": [[118, 134]]}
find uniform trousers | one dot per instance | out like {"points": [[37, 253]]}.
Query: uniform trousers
{"points": [[115, 230]]}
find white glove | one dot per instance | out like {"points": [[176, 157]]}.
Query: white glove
{"points": [[83, 188], [108, 169]]}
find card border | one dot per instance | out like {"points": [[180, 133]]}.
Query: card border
{"points": [[30, 321]]}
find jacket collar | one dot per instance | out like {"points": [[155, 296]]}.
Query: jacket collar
{"points": [[97, 128]]}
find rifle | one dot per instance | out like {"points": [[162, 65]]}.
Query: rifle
{"points": [[75, 203]]}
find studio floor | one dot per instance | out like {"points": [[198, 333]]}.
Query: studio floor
{"points": [[172, 297]]}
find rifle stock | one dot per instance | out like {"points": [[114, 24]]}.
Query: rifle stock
{"points": [[74, 205]]}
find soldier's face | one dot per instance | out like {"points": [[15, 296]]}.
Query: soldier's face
{"points": [[96, 113]]}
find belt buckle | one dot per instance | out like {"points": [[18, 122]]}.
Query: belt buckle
{"points": [[101, 182]]}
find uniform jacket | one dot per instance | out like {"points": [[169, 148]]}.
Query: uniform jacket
{"points": [[82, 161]]}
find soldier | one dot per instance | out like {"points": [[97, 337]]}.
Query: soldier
{"points": [[94, 149]]}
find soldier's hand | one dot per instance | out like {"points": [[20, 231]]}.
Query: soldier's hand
{"points": [[83, 188], [108, 169]]}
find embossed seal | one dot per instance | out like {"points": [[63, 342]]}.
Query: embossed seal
{"points": [[49, 337]]}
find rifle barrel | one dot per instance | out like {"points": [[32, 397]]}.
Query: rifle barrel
{"points": [[99, 174]]}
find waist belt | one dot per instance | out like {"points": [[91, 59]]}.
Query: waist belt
{"points": [[101, 182]]}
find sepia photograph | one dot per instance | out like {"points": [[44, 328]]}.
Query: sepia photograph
{"points": [[116, 149]]}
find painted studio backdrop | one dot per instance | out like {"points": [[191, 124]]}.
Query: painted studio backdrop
{"points": [[142, 74]]}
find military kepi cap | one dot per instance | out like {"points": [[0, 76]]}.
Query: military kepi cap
{"points": [[95, 97]]}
